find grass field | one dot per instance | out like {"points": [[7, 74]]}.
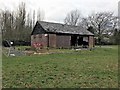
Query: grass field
{"points": [[78, 69]]}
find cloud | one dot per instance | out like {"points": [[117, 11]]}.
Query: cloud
{"points": [[56, 10]]}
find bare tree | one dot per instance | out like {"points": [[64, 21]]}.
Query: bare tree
{"points": [[85, 23], [72, 18], [0, 23], [13, 24], [6, 24], [21, 19], [17, 25], [101, 22], [40, 15], [114, 22], [33, 21]]}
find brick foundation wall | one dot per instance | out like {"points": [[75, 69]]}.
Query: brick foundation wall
{"points": [[63, 41], [52, 40], [91, 41], [57, 41], [39, 38]]}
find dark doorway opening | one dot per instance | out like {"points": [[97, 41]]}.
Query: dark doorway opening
{"points": [[79, 41], [73, 40], [48, 40], [76, 40]]}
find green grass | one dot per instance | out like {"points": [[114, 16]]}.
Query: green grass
{"points": [[21, 47], [91, 69]]}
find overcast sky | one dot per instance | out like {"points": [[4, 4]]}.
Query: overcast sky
{"points": [[56, 10]]}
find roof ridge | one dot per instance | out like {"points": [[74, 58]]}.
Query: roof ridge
{"points": [[58, 23], [64, 28]]}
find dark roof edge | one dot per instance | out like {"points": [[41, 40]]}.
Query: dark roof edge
{"points": [[91, 34]]}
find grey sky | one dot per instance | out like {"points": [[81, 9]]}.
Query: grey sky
{"points": [[56, 10]]}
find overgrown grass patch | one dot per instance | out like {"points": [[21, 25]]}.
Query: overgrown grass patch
{"points": [[96, 68]]}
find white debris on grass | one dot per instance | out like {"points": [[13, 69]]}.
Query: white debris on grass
{"points": [[12, 54], [40, 53], [78, 49]]}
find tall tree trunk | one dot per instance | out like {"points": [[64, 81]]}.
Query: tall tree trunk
{"points": [[99, 35]]}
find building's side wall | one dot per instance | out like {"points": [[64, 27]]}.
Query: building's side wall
{"points": [[91, 41], [52, 40], [39, 38], [38, 29], [63, 41], [44, 40], [57, 41]]}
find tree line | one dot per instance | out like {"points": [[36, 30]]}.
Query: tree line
{"points": [[17, 25], [104, 25]]}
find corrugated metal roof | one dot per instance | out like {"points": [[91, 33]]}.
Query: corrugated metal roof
{"points": [[62, 28]]}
